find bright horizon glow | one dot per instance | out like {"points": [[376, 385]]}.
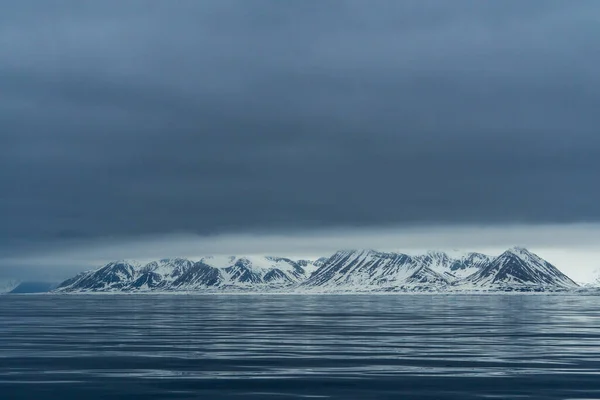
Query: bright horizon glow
{"points": [[571, 248]]}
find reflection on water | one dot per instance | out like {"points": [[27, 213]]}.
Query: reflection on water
{"points": [[294, 346]]}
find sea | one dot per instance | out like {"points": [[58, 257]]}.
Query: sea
{"points": [[395, 346]]}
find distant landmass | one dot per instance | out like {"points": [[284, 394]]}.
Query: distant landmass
{"points": [[7, 286], [346, 271], [33, 287], [18, 287]]}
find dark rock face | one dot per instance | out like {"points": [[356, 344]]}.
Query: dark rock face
{"points": [[115, 275], [199, 275], [344, 267], [425, 275], [147, 279], [276, 275], [381, 271], [72, 281], [241, 272], [472, 260], [518, 269]]}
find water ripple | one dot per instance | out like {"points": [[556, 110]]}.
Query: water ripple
{"points": [[336, 347]]}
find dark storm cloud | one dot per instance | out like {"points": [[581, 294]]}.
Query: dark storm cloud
{"points": [[123, 118]]}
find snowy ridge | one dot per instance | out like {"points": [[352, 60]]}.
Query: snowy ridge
{"points": [[181, 274], [519, 268], [370, 270], [353, 271]]}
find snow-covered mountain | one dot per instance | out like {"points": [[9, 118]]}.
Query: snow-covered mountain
{"points": [[519, 269], [345, 271], [469, 264], [370, 270], [594, 282], [249, 272]]}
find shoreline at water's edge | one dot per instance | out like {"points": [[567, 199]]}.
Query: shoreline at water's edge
{"points": [[590, 292]]}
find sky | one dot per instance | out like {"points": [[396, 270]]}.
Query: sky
{"points": [[129, 128]]}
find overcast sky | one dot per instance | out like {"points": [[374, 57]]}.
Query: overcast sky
{"points": [[124, 121]]}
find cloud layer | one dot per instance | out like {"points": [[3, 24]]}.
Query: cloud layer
{"points": [[128, 118]]}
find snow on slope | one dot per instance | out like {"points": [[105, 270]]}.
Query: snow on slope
{"points": [[311, 266], [258, 264], [113, 276], [517, 268], [368, 270], [256, 269], [365, 270], [469, 264], [182, 274], [345, 271]]}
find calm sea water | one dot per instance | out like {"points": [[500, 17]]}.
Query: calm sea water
{"points": [[295, 347]]}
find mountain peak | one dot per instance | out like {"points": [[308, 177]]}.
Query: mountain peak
{"points": [[355, 253], [519, 251], [131, 263], [518, 267]]}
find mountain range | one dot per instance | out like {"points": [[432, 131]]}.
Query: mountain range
{"points": [[517, 269]]}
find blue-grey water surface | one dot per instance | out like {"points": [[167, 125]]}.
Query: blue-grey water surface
{"points": [[294, 347]]}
